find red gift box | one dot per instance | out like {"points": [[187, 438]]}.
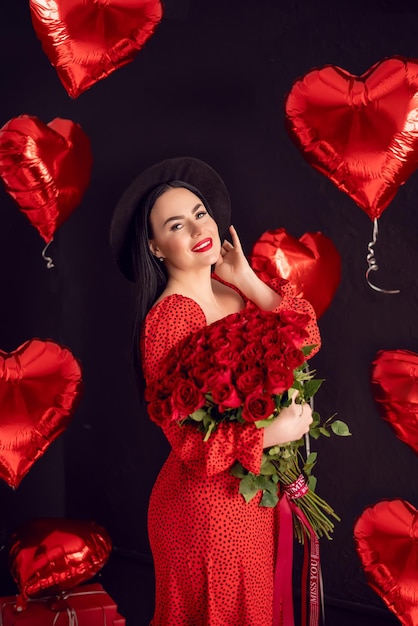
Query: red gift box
{"points": [[86, 605]]}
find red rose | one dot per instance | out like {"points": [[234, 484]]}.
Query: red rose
{"points": [[151, 391], [274, 357], [272, 339], [294, 326], [294, 318], [218, 376], [226, 397], [290, 358], [293, 357], [187, 397], [279, 379], [165, 386], [162, 411], [226, 355], [217, 344], [216, 333], [185, 354], [294, 335], [199, 377], [258, 407], [203, 360], [171, 361], [252, 353], [251, 380]]}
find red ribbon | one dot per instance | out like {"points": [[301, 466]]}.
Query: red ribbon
{"points": [[283, 614]]}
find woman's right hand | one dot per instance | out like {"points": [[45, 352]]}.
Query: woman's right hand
{"points": [[290, 425]]}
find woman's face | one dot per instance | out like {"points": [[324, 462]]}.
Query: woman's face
{"points": [[184, 233]]}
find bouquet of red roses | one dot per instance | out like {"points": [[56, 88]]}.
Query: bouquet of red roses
{"points": [[244, 368]]}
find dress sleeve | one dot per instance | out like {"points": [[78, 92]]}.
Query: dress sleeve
{"points": [[167, 323], [228, 443]]}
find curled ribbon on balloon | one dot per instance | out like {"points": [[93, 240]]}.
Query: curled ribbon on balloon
{"points": [[87, 41], [40, 387], [386, 543], [311, 264], [359, 131], [53, 555], [394, 381]]}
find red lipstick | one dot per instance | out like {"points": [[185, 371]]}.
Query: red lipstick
{"points": [[202, 246]]}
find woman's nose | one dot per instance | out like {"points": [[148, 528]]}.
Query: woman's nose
{"points": [[196, 229]]}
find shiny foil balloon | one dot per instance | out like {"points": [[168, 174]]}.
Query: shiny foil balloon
{"points": [[51, 555], [394, 380], [40, 386], [46, 168], [87, 41], [360, 131], [311, 264], [386, 542]]}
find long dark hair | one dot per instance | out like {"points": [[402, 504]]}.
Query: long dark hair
{"points": [[150, 274]]}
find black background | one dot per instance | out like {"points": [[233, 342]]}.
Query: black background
{"points": [[210, 83]]}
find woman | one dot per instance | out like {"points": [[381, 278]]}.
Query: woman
{"points": [[213, 553]]}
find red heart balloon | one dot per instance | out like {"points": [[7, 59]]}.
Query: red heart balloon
{"points": [[40, 385], [87, 41], [386, 542], [51, 555], [46, 168], [394, 380], [311, 264], [360, 131]]}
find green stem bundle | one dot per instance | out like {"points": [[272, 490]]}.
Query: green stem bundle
{"points": [[317, 511]]}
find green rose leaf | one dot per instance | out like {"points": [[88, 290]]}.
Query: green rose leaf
{"points": [[310, 387], [312, 482], [263, 423], [267, 468], [310, 462], [248, 487], [340, 428], [238, 470], [324, 431], [198, 415], [269, 499], [308, 349]]}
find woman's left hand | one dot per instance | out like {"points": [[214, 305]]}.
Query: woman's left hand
{"points": [[232, 264], [233, 267]]}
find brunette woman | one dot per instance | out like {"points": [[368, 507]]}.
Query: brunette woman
{"points": [[214, 554]]}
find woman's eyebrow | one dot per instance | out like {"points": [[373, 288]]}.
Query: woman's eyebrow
{"points": [[174, 218]]}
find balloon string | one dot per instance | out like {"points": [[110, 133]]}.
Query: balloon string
{"points": [[371, 262], [49, 261]]}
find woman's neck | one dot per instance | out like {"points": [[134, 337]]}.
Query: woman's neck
{"points": [[196, 285]]}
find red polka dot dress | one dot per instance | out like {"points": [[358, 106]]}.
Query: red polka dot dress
{"points": [[213, 553]]}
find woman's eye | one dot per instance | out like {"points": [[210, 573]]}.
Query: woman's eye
{"points": [[176, 226], [201, 214]]}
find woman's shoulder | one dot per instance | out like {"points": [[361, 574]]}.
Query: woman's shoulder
{"points": [[173, 304], [174, 314], [170, 320]]}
